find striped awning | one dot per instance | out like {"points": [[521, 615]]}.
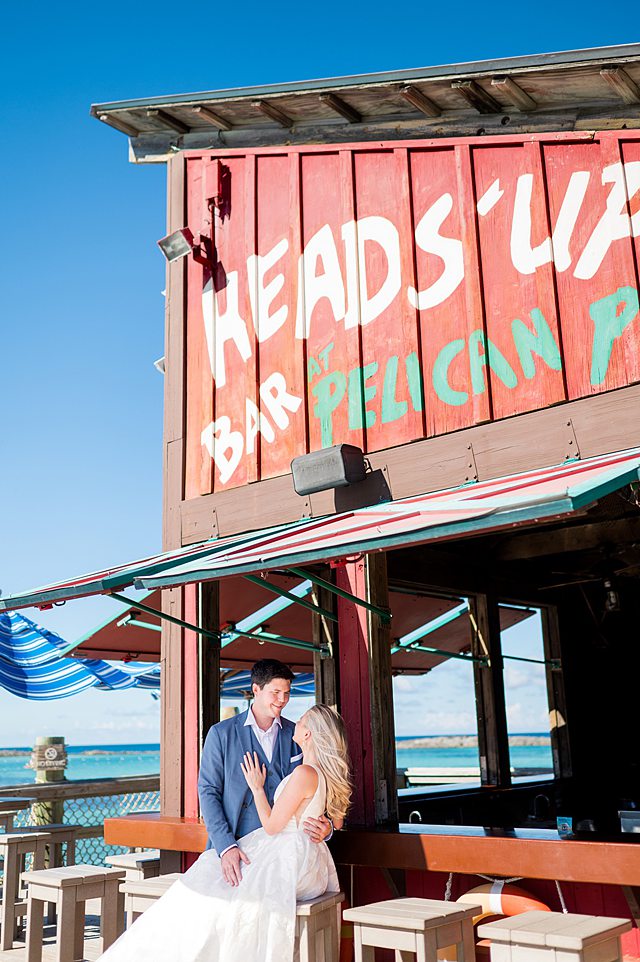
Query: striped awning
{"points": [[471, 509]]}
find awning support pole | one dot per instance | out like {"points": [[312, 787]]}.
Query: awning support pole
{"points": [[277, 590], [385, 616], [267, 636], [440, 651], [161, 614]]}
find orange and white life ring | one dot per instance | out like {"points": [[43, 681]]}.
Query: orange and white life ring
{"points": [[497, 899], [502, 898]]}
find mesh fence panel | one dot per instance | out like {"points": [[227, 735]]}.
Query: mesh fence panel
{"points": [[90, 813]]}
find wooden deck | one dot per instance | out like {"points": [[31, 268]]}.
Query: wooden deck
{"points": [[92, 944]]}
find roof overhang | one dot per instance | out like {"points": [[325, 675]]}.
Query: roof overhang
{"points": [[570, 90]]}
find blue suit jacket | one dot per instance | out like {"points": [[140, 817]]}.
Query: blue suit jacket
{"points": [[226, 801]]}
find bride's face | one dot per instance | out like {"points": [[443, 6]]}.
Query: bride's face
{"points": [[302, 735]]}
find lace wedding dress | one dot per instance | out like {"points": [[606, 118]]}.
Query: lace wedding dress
{"points": [[203, 919]]}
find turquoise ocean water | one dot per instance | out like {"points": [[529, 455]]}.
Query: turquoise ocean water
{"points": [[112, 761]]}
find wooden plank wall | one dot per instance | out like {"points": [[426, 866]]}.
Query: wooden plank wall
{"points": [[442, 284]]}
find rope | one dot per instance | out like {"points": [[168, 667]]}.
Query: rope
{"points": [[447, 888], [561, 897]]}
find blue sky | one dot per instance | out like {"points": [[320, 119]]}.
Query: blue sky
{"points": [[81, 310]]}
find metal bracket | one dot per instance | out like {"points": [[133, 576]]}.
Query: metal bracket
{"points": [[268, 636], [471, 469], [383, 614], [277, 590], [161, 614], [573, 448]]}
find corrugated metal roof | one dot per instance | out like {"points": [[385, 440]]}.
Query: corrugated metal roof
{"points": [[565, 90]]}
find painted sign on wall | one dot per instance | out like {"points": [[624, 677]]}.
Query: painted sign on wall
{"points": [[376, 294]]}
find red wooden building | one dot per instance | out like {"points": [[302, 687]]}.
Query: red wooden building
{"points": [[440, 267]]}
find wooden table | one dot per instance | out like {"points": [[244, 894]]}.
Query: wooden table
{"points": [[436, 848]]}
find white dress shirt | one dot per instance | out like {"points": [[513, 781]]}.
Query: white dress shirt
{"points": [[266, 739]]}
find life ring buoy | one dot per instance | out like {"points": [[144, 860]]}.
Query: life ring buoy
{"points": [[501, 898], [498, 899]]}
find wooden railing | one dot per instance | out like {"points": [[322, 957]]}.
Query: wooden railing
{"points": [[86, 804]]}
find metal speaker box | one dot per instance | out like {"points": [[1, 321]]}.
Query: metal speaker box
{"points": [[330, 468]]}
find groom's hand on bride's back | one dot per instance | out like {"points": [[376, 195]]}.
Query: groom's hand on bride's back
{"points": [[231, 864], [318, 829]]}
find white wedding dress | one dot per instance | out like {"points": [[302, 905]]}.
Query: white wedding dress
{"points": [[203, 919]]}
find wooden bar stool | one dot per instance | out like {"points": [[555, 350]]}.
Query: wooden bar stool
{"points": [[413, 927], [14, 849], [555, 937], [70, 887], [6, 819], [140, 894], [61, 835], [317, 932], [137, 865]]}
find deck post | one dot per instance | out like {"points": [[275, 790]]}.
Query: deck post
{"points": [[172, 644], [325, 666], [209, 658], [558, 727], [493, 738], [366, 696]]}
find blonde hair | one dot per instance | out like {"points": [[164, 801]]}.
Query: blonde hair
{"points": [[332, 757]]}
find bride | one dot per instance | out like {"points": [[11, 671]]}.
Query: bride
{"points": [[201, 918]]}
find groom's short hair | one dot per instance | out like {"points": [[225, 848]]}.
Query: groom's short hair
{"points": [[267, 669]]}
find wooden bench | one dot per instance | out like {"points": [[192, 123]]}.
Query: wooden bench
{"points": [[140, 894], [318, 928], [555, 937], [317, 920], [137, 865], [413, 927], [70, 887], [14, 849]]}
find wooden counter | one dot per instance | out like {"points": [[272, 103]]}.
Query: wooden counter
{"points": [[436, 848]]}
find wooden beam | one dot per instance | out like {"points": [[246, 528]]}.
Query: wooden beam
{"points": [[493, 739], [381, 692], [212, 118], [209, 657], [568, 537], [624, 85], [518, 97], [168, 120], [120, 125], [338, 105], [366, 691], [558, 724], [171, 757], [325, 667], [274, 113], [420, 101], [476, 97]]}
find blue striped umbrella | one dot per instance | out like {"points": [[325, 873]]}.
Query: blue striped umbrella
{"points": [[23, 642]]}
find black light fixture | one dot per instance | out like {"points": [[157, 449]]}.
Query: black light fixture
{"points": [[333, 467]]}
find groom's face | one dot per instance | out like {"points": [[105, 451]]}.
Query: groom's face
{"points": [[271, 699]]}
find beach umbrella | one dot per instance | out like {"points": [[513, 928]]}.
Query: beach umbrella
{"points": [[23, 642], [238, 685]]}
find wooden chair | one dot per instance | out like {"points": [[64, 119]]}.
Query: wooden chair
{"points": [[6, 819], [70, 887], [137, 865], [317, 928], [14, 849], [555, 937], [413, 927]]}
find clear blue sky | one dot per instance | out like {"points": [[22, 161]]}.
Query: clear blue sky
{"points": [[81, 310]]}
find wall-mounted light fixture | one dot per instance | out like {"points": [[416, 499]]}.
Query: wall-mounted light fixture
{"points": [[181, 242], [332, 467]]}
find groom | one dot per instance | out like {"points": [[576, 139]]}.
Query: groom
{"points": [[226, 800]]}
